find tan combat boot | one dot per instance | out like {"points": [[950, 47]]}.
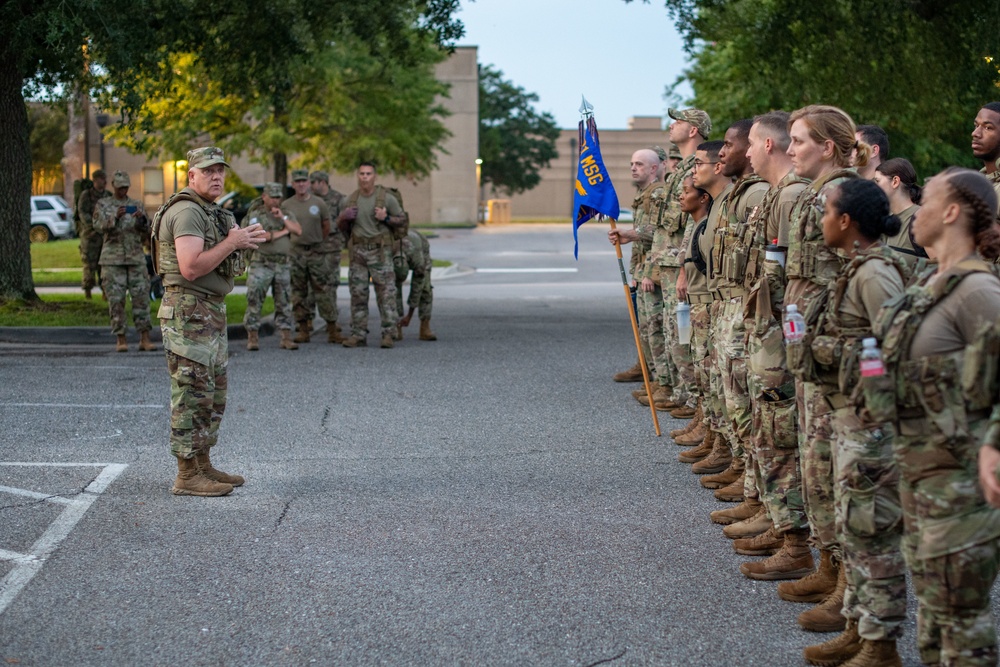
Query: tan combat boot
{"points": [[304, 333], [793, 561], [146, 345], [253, 344], [190, 481], [733, 492], [694, 436], [717, 461], [698, 452], [633, 374], [387, 342], [660, 394], [836, 651], [333, 333], [881, 653], [641, 391], [826, 616], [665, 403], [745, 510], [205, 466], [727, 476], [683, 412], [355, 341], [755, 525], [767, 543], [121, 345], [425, 330], [816, 586], [286, 341], [696, 419]]}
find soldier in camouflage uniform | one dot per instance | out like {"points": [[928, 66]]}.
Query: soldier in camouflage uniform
{"points": [[986, 142], [90, 238], [310, 259], [333, 247], [822, 144], [943, 379], [124, 226], [198, 248], [368, 221], [690, 127], [269, 266], [866, 496], [898, 180], [416, 251]]}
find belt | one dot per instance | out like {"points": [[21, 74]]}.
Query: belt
{"points": [[370, 242], [695, 299], [304, 247], [723, 293], [201, 295]]}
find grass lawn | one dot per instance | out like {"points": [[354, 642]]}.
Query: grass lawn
{"points": [[73, 310]]}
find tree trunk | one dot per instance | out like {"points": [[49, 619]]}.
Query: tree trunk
{"points": [[15, 184], [281, 168]]}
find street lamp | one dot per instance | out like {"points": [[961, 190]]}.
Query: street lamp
{"points": [[479, 190], [102, 122]]}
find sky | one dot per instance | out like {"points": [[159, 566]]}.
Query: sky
{"points": [[622, 57]]}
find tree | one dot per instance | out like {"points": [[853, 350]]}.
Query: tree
{"points": [[48, 127], [921, 69], [515, 141]]}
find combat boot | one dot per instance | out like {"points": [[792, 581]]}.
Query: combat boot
{"points": [[286, 341], [816, 586], [880, 653], [633, 374], [745, 510], [767, 543], [205, 466], [190, 481], [121, 345], [145, 345], [665, 403], [355, 341], [717, 461], [836, 651], [333, 333], [304, 333], [641, 391], [755, 525], [425, 330], [696, 419], [727, 476], [793, 561], [731, 493], [386, 342], [253, 344], [660, 394], [693, 437], [699, 452], [683, 412], [826, 616]]}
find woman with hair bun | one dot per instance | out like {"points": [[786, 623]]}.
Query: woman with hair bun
{"points": [[939, 393], [865, 496], [898, 180]]}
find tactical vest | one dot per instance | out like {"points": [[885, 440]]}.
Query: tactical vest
{"points": [[694, 252], [648, 207], [164, 253], [808, 256], [755, 234], [398, 233], [729, 253]]}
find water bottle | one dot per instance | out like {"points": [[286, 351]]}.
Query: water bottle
{"points": [[774, 253], [683, 323], [871, 359], [794, 324]]}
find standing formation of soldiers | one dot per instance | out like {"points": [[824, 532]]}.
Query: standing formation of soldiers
{"points": [[843, 369]]}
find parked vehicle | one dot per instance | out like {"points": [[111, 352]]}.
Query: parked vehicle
{"points": [[51, 218]]}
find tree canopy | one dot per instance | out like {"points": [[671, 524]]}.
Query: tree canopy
{"points": [[920, 69], [515, 141]]}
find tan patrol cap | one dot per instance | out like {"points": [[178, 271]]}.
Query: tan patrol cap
{"points": [[121, 180], [660, 153], [675, 153], [203, 158], [274, 190], [696, 117]]}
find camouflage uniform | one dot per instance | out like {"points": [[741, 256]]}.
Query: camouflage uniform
{"points": [[310, 268], [811, 268], [123, 262], [416, 253], [727, 270], [700, 300], [667, 245], [371, 261], [333, 246], [91, 239], [942, 396], [647, 208], [772, 387], [866, 495], [269, 269], [993, 177]]}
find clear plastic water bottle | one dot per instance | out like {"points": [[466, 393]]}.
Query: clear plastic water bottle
{"points": [[871, 359], [683, 323], [774, 253], [794, 324]]}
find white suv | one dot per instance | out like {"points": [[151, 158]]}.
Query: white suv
{"points": [[51, 217]]}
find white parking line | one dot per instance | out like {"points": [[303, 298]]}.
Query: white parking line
{"points": [[532, 270], [29, 564], [112, 406]]}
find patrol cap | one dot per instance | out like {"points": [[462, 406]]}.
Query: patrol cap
{"points": [[660, 153], [203, 158], [274, 190], [675, 153], [120, 180], [300, 174], [319, 176], [99, 173], [696, 117]]}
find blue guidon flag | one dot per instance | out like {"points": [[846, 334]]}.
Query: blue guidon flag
{"points": [[594, 192]]}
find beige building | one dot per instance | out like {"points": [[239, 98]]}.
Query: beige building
{"points": [[450, 194]]}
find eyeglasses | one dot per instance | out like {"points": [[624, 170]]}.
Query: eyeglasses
{"points": [[699, 163]]}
